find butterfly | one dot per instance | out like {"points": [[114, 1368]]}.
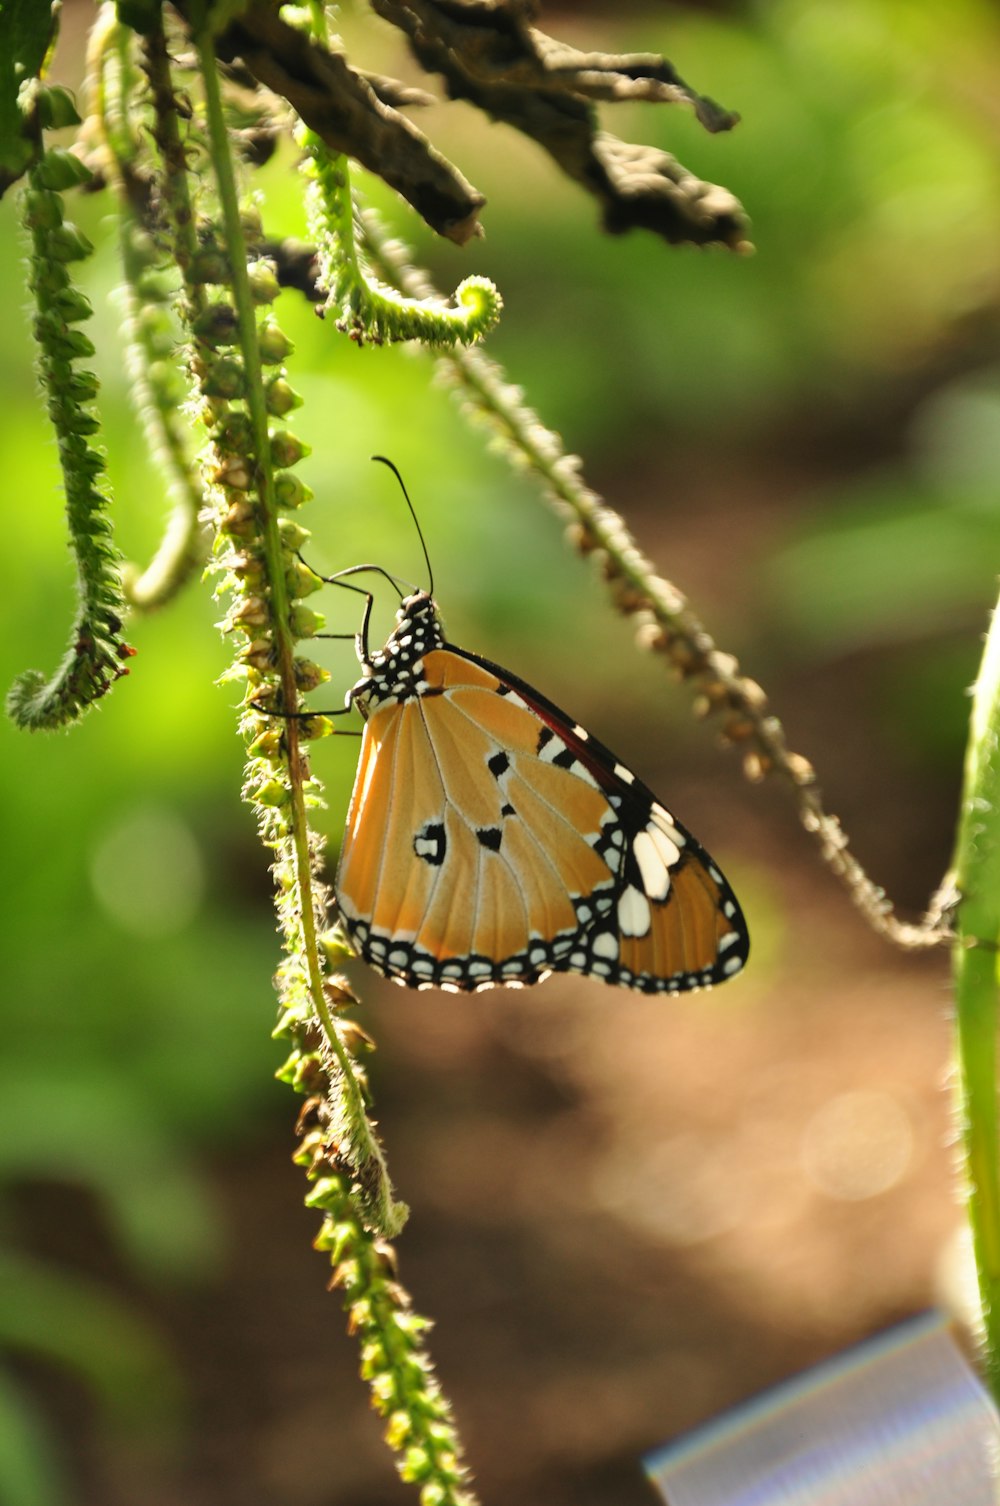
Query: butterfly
{"points": [[492, 841]]}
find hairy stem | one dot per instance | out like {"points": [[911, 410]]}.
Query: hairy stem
{"points": [[977, 880], [156, 384], [669, 626], [364, 1146]]}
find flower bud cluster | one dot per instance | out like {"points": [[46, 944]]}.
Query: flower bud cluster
{"points": [[419, 1426]]}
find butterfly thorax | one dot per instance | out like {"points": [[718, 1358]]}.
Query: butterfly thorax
{"points": [[395, 672]]}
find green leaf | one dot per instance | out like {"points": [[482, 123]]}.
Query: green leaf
{"points": [[28, 1473], [142, 16], [27, 31], [82, 1326]]}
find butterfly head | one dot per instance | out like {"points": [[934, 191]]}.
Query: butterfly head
{"points": [[395, 672]]}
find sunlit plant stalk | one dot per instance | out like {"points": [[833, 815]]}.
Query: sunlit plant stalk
{"points": [[244, 394], [147, 293], [975, 964], [282, 803]]}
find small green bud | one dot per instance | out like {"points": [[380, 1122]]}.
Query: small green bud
{"points": [[60, 170], [233, 471], [251, 612], [281, 397], [252, 225], [73, 422], [398, 1430], [293, 535], [273, 344], [267, 745], [336, 1235], [287, 448], [301, 581], [167, 383], [235, 433], [312, 728], [309, 675], [335, 947], [286, 1072], [244, 565], [47, 279], [67, 243], [155, 284], [71, 305], [216, 325], [304, 622], [289, 491], [82, 387], [239, 520], [73, 345], [210, 264], [264, 286], [258, 655], [142, 247], [224, 379], [271, 793], [42, 211], [56, 108], [324, 1192]]}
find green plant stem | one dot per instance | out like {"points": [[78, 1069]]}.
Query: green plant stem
{"points": [[184, 546], [977, 925], [367, 1149]]}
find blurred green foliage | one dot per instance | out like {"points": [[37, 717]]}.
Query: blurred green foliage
{"points": [[138, 941]]}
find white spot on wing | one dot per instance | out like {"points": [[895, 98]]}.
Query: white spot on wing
{"points": [[634, 914], [605, 944], [625, 775], [665, 821], [667, 848], [654, 869], [552, 749], [732, 965], [730, 939]]}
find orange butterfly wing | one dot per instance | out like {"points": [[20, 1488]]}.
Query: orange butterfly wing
{"points": [[490, 840]]}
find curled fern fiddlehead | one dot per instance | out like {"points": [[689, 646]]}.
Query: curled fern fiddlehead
{"points": [[368, 310], [96, 653]]}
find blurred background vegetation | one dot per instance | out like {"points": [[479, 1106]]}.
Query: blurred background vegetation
{"points": [[626, 1214]]}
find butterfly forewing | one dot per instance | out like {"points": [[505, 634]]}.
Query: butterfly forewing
{"points": [[491, 840]]}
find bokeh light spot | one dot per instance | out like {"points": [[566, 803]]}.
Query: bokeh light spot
{"points": [[147, 872], [857, 1145]]}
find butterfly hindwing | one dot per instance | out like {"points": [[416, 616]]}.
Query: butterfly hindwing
{"points": [[492, 840]]}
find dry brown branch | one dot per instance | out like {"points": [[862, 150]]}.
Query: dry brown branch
{"points": [[489, 54], [667, 623], [343, 107]]}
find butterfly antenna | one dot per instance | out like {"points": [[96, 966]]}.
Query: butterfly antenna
{"points": [[416, 521]]}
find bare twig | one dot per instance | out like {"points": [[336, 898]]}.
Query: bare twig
{"points": [[490, 55], [343, 107]]}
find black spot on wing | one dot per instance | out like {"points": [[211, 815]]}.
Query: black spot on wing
{"points": [[498, 764], [507, 809], [430, 843], [544, 738], [565, 760], [490, 836]]}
